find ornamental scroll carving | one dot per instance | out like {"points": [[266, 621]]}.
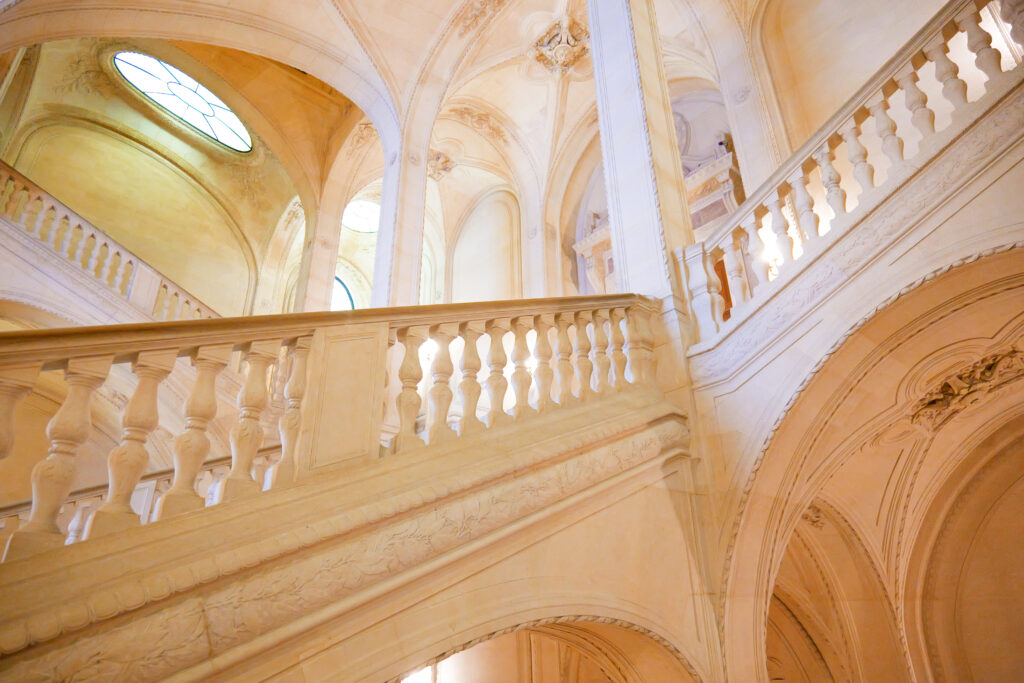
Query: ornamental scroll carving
{"points": [[966, 387], [562, 45]]}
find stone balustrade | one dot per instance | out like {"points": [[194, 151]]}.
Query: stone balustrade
{"points": [[883, 136], [65, 234], [536, 356], [145, 499]]}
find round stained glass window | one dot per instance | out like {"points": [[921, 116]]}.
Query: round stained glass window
{"points": [[183, 96]]}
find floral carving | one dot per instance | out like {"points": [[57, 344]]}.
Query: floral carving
{"points": [[84, 75], [482, 122], [966, 387], [562, 45], [439, 164]]}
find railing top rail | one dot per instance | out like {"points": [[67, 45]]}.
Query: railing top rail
{"points": [[77, 218], [36, 347], [859, 100]]}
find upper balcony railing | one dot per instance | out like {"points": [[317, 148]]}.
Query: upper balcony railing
{"points": [[23, 204], [833, 181], [367, 374]]}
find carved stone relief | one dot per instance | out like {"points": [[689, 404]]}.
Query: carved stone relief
{"points": [[966, 387], [480, 121], [562, 45]]}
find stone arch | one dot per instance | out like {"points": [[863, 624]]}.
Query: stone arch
{"points": [[625, 652], [217, 22], [863, 400]]}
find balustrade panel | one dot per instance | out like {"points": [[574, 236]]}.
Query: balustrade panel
{"points": [[934, 88]]}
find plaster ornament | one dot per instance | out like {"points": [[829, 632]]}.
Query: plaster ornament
{"points": [[482, 122], [814, 517], [362, 134], [562, 45], [477, 12], [967, 387], [439, 165]]}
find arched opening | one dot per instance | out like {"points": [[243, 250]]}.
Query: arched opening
{"points": [[573, 650], [866, 453], [485, 257]]}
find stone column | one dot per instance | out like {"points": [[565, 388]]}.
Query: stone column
{"points": [[396, 268], [650, 220], [643, 174]]}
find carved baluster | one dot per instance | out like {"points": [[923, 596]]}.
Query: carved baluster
{"points": [[599, 354], [46, 225], [618, 343], [60, 228], [834, 193], [469, 387], [282, 471], [917, 102], [638, 346], [80, 255], [806, 218], [705, 290], [439, 397], [128, 461], [979, 42], [947, 73], [754, 263], [1012, 12], [563, 367], [33, 215], [543, 375], [410, 372], [192, 446], [780, 228], [863, 171], [247, 434], [124, 277], [94, 258], [52, 477], [584, 367], [15, 384], [885, 127], [65, 243], [522, 378], [732, 256], [497, 385]]}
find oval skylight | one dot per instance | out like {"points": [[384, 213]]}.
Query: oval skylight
{"points": [[361, 215], [186, 98]]}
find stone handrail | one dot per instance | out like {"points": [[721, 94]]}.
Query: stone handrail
{"points": [[552, 353], [805, 206], [26, 205]]}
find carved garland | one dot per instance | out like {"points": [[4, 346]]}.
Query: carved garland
{"points": [[966, 387]]}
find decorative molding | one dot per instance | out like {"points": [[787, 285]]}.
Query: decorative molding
{"points": [[477, 12], [814, 517], [482, 122], [563, 45], [966, 387], [439, 164], [568, 619], [362, 134]]}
